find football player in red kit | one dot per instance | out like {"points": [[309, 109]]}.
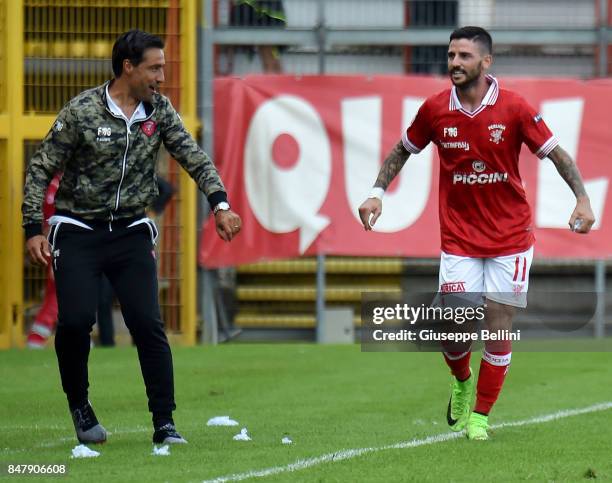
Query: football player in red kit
{"points": [[485, 220]]}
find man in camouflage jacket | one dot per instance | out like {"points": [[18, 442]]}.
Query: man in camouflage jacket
{"points": [[106, 141]]}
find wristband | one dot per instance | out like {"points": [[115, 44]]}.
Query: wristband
{"points": [[377, 193]]}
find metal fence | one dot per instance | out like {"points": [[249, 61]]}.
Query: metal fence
{"points": [[50, 50], [532, 37]]}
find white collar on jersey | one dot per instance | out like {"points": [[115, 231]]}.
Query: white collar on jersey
{"points": [[138, 115], [488, 100]]}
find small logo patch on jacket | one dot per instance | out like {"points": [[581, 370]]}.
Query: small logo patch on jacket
{"points": [[149, 127]]}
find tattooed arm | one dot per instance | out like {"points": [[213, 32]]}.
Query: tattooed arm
{"points": [[372, 207], [392, 165], [568, 170], [570, 173]]}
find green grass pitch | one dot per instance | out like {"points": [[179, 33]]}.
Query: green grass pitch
{"points": [[327, 399]]}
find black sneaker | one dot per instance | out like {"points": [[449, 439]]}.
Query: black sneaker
{"points": [[167, 434], [88, 429]]}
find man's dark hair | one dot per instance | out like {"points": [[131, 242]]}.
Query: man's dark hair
{"points": [[131, 45], [475, 34]]}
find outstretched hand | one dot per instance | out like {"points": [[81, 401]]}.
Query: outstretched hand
{"points": [[369, 212]]}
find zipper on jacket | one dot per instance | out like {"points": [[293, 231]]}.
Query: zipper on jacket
{"points": [[127, 147]]}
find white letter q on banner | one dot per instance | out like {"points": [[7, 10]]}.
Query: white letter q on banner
{"points": [[284, 200]]}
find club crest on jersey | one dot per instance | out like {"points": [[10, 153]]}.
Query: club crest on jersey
{"points": [[496, 132], [149, 127], [479, 166]]}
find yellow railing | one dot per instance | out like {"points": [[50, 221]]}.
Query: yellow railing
{"points": [[57, 49]]}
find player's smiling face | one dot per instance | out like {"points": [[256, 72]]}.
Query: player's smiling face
{"points": [[145, 78], [467, 61]]}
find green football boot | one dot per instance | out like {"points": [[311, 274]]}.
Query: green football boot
{"points": [[477, 427], [460, 403]]}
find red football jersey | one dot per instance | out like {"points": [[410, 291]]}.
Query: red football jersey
{"points": [[483, 209]]}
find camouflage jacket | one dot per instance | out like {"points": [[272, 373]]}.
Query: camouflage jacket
{"points": [[110, 172]]}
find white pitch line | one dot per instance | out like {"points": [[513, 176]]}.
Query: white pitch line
{"points": [[439, 438]]}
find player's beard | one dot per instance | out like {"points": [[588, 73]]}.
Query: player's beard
{"points": [[471, 77]]}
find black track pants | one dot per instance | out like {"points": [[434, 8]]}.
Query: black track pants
{"points": [[125, 255]]}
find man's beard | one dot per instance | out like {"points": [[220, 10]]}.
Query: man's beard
{"points": [[469, 81]]}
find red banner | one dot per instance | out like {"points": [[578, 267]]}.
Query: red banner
{"points": [[298, 155]]}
